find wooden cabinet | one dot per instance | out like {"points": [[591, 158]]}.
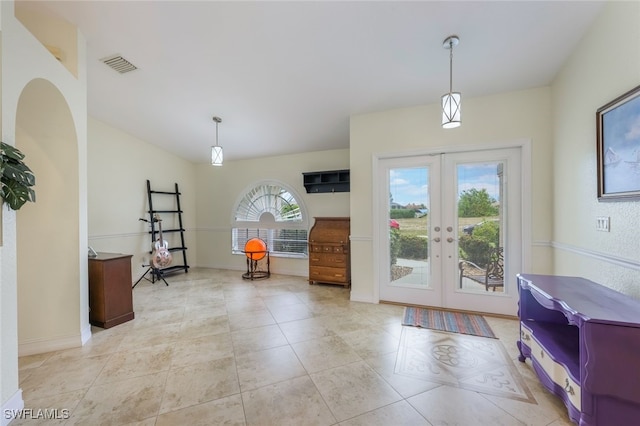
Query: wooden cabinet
{"points": [[583, 340], [110, 293], [329, 247]]}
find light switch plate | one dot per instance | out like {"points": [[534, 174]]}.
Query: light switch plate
{"points": [[602, 223]]}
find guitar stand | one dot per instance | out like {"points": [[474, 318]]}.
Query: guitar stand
{"points": [[156, 275]]}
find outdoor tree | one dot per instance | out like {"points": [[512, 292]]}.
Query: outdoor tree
{"points": [[476, 203]]}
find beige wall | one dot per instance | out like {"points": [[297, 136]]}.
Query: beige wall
{"points": [[29, 61], [218, 190], [119, 166], [487, 122], [604, 65]]}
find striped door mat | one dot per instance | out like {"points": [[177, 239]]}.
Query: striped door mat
{"points": [[455, 322]]}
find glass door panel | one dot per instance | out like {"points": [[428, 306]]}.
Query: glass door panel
{"points": [[406, 272]]}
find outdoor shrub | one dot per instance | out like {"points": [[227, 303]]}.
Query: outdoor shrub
{"points": [[474, 249], [413, 247], [489, 232], [394, 244], [401, 214]]}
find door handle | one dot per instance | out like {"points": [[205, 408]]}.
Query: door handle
{"points": [[436, 239], [450, 239]]}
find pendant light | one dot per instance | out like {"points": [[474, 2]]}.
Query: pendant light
{"points": [[216, 151], [451, 101]]}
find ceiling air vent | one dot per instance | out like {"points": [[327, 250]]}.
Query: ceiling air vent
{"points": [[119, 64]]}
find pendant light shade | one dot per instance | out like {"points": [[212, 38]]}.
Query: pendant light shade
{"points": [[451, 110], [452, 101], [216, 151]]}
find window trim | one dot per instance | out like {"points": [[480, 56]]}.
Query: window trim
{"points": [[302, 224]]}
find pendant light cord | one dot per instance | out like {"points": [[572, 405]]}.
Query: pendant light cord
{"points": [[450, 66]]}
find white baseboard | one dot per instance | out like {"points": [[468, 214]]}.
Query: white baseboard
{"points": [[40, 346], [361, 297], [85, 334], [12, 407]]}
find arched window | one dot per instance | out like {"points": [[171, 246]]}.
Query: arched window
{"points": [[271, 211]]}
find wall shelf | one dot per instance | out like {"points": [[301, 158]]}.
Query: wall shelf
{"points": [[326, 181]]}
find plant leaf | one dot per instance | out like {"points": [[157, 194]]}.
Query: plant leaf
{"points": [[9, 151], [19, 172], [15, 194]]}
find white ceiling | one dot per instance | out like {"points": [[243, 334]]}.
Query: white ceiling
{"points": [[285, 76]]}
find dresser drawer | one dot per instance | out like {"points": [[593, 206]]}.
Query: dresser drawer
{"points": [[327, 248], [324, 273], [327, 259], [554, 370]]}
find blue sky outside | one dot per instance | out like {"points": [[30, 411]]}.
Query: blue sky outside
{"points": [[410, 185]]}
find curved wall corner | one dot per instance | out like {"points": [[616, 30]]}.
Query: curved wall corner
{"points": [[48, 270]]}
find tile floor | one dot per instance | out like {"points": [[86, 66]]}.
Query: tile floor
{"points": [[215, 349]]}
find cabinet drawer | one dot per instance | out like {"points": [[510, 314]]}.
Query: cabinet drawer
{"points": [[324, 273], [328, 248], [554, 370], [327, 259]]}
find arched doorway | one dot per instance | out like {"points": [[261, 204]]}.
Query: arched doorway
{"points": [[48, 230]]}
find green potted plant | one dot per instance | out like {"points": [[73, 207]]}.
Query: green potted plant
{"points": [[16, 178]]}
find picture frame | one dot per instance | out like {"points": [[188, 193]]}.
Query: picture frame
{"points": [[618, 148]]}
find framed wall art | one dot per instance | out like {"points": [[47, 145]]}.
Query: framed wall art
{"points": [[618, 145]]}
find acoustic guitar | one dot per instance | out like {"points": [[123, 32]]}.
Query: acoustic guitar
{"points": [[161, 257]]}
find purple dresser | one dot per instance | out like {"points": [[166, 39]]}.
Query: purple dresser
{"points": [[583, 340]]}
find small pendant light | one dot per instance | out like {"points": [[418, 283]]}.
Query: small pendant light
{"points": [[216, 151], [451, 102]]}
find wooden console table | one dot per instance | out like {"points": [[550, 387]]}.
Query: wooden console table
{"points": [[110, 293], [583, 340]]}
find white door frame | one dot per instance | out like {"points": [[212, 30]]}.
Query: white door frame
{"points": [[525, 190]]}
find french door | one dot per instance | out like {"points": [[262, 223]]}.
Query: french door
{"points": [[446, 219]]}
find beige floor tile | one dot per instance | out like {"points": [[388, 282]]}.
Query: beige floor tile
{"points": [[398, 414], [61, 377], [449, 405], [282, 298], [126, 365], [32, 361], [160, 334], [403, 384], [322, 354], [50, 410], [306, 329], [354, 389], [288, 313], [370, 342], [346, 323], [151, 318], [198, 383], [193, 312], [240, 304], [257, 369], [256, 339], [226, 411], [293, 402], [120, 402], [205, 326], [201, 349], [151, 421], [242, 320], [197, 343]]}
